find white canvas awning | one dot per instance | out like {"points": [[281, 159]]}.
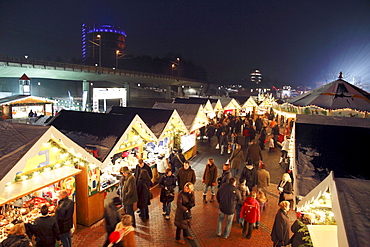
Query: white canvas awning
{"points": [[19, 189]]}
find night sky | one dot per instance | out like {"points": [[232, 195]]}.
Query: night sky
{"points": [[291, 41]]}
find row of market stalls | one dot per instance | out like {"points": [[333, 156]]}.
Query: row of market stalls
{"points": [[83, 153]]}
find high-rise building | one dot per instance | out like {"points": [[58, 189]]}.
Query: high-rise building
{"points": [[103, 45], [256, 77]]}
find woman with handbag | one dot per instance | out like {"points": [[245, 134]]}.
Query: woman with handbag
{"points": [[167, 183], [285, 188], [185, 201]]}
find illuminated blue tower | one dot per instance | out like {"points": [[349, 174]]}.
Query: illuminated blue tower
{"points": [[102, 46]]}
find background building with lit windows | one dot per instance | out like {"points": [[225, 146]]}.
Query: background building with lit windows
{"points": [[256, 77], [103, 45]]}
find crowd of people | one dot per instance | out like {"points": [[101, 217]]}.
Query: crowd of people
{"points": [[239, 190]]}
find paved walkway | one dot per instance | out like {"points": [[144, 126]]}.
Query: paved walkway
{"points": [[158, 231]]}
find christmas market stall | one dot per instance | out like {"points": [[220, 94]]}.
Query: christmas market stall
{"points": [[36, 163], [208, 110], [338, 209], [166, 125], [193, 116], [25, 106], [218, 109], [265, 105], [116, 140], [249, 106], [231, 106]]}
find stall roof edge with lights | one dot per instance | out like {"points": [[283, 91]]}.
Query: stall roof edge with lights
{"points": [[32, 152], [193, 115], [348, 201], [156, 119]]}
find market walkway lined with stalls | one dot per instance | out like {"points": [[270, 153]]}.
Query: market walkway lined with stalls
{"points": [[158, 231]]}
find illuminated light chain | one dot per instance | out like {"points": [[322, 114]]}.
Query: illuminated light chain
{"points": [[68, 160]]}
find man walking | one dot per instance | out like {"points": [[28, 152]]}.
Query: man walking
{"points": [[184, 175], [128, 192], [227, 196], [64, 216], [254, 154]]}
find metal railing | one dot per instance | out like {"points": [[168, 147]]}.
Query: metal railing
{"points": [[26, 62]]}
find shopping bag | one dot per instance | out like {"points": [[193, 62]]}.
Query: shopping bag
{"points": [[218, 146]]}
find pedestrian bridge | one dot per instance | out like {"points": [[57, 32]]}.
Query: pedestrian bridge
{"points": [[16, 67]]}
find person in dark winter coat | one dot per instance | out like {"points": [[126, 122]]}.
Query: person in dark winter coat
{"points": [[64, 216], [262, 138], [17, 237], [46, 229], [171, 159], [258, 125], [236, 159], [249, 174], [112, 217], [250, 212], [280, 229], [297, 238], [179, 161], [224, 142], [226, 175], [252, 133], [128, 192], [209, 179], [185, 202], [227, 197], [254, 154], [143, 191], [140, 167], [185, 174], [167, 183], [210, 132]]}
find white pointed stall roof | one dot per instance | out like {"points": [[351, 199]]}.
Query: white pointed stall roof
{"points": [[174, 117], [146, 131], [208, 107], [327, 184], [193, 115], [51, 133], [232, 105], [249, 103], [218, 106]]}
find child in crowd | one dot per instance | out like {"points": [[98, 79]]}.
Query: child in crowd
{"points": [[262, 200]]}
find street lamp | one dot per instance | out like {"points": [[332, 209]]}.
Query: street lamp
{"points": [[117, 54], [176, 65], [99, 37]]}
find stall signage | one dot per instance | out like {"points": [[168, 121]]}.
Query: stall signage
{"points": [[187, 142]]}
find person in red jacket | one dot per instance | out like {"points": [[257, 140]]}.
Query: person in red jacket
{"points": [[250, 212]]}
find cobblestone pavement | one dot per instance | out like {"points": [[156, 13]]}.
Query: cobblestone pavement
{"points": [[158, 231]]}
